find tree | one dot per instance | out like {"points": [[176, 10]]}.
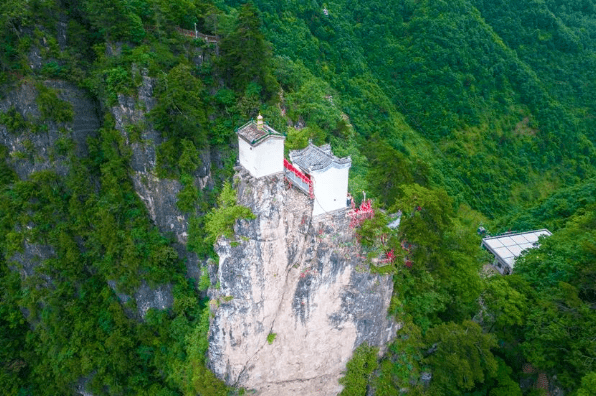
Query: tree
{"points": [[588, 387], [359, 369], [220, 221], [389, 170], [505, 306], [180, 112], [400, 367], [561, 335], [462, 358], [560, 330], [443, 254], [505, 385], [427, 217], [114, 19], [245, 55]]}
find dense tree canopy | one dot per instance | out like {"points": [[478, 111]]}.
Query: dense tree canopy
{"points": [[245, 54]]}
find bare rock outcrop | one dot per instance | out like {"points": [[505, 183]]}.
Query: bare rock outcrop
{"points": [[300, 282]]}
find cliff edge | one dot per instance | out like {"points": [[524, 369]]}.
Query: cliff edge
{"points": [[293, 298]]}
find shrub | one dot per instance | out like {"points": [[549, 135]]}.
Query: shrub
{"points": [[271, 338], [52, 107], [359, 369], [117, 80], [220, 221], [187, 198], [180, 111], [53, 69], [204, 281], [13, 120]]}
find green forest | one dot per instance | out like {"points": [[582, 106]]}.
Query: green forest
{"points": [[460, 114]]}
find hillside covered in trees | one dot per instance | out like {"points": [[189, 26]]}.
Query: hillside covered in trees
{"points": [[459, 114]]}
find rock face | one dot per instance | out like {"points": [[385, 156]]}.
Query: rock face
{"points": [[159, 297], [158, 195], [35, 151], [298, 278]]}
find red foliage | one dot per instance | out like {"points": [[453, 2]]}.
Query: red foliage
{"points": [[389, 257], [364, 211]]}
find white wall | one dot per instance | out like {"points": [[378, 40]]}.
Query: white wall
{"points": [[269, 157], [246, 155], [262, 160], [331, 190]]}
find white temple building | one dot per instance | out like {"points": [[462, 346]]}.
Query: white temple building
{"points": [[261, 148], [329, 176], [313, 170]]}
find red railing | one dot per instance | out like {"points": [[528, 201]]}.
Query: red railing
{"points": [[305, 179]]}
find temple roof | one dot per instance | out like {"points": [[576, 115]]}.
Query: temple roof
{"points": [[313, 158], [255, 135]]}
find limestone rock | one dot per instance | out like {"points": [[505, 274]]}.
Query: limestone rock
{"points": [[298, 278], [146, 297]]}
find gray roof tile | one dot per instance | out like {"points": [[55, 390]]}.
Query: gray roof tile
{"points": [[254, 135], [313, 158]]}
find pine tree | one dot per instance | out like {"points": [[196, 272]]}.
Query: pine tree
{"points": [[246, 56]]}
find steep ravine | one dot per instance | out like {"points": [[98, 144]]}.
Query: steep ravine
{"points": [[301, 279]]}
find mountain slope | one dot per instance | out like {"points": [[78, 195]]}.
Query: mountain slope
{"points": [[467, 77]]}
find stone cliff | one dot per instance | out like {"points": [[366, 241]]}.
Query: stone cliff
{"points": [[29, 151], [32, 150], [298, 281], [159, 195]]}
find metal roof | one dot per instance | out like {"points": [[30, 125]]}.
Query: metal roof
{"points": [[507, 247], [255, 135], [313, 158]]}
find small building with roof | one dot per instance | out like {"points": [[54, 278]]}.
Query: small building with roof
{"points": [[261, 148], [328, 174], [507, 247]]}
